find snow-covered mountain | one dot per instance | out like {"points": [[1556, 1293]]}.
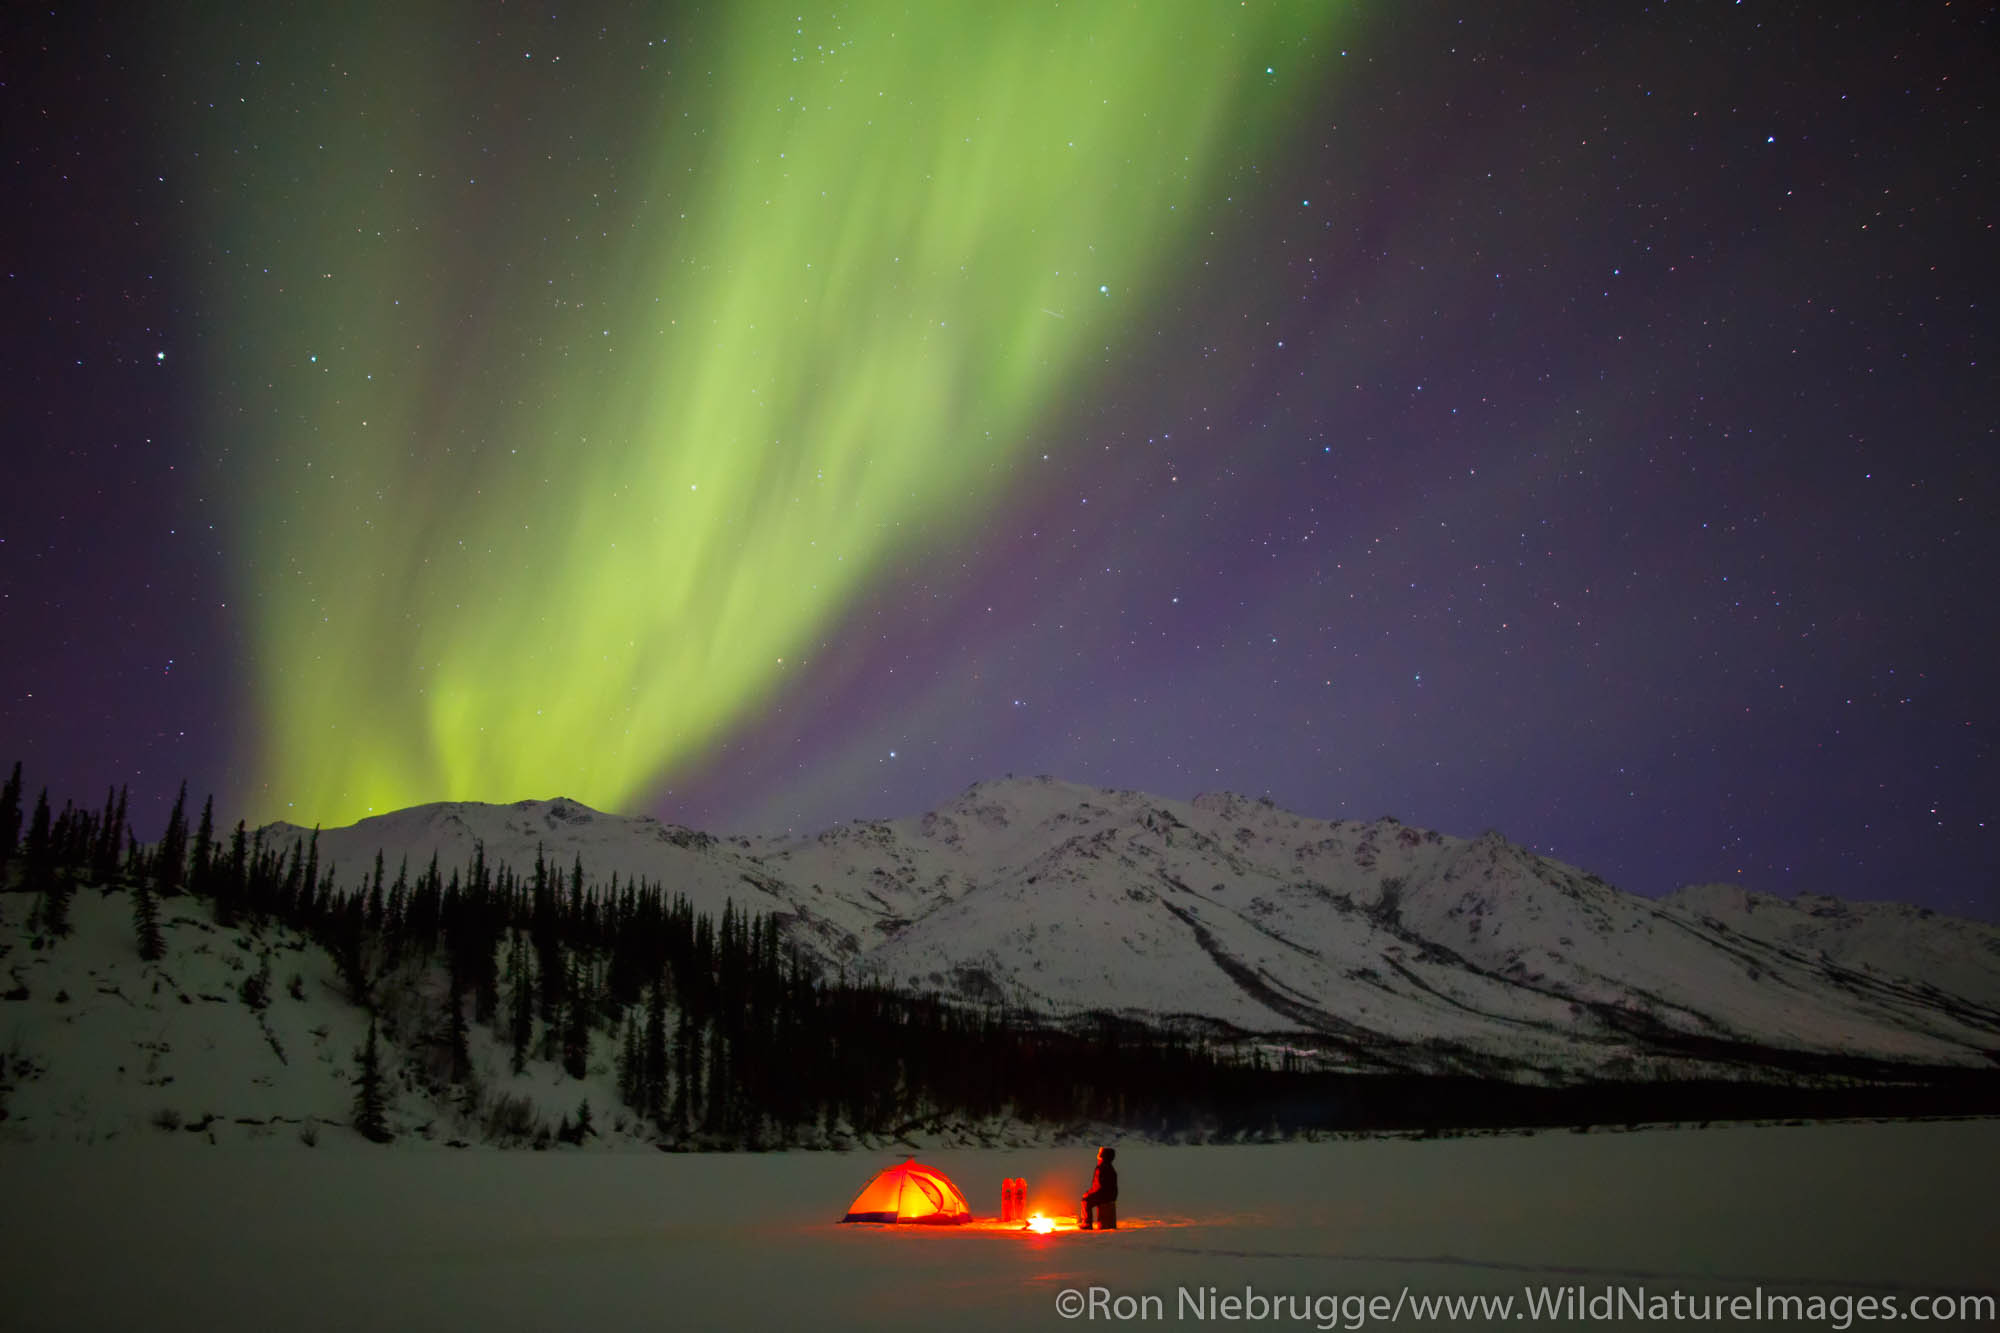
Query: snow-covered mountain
{"points": [[248, 1033], [562, 832], [1380, 944]]}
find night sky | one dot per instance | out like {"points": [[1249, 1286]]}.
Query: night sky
{"points": [[1575, 420]]}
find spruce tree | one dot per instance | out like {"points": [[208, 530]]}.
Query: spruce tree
{"points": [[345, 946], [686, 1049], [256, 988], [324, 903], [457, 1033], [260, 877], [715, 1119], [631, 1068], [10, 817], [653, 1066], [104, 848], [552, 1029], [288, 893], [461, 1042], [521, 1028], [204, 850], [38, 870], [546, 933], [170, 862], [66, 833], [146, 923], [231, 881], [576, 1033], [55, 908], [691, 1104], [309, 893], [371, 1115], [38, 850], [110, 839], [489, 924]]}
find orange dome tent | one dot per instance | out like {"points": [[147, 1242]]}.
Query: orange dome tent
{"points": [[911, 1192]]}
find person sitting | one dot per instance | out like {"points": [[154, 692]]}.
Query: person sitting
{"points": [[1100, 1207]]}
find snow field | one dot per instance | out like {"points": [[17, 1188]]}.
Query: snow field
{"points": [[169, 1234]]}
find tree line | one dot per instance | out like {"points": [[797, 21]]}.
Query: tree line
{"points": [[719, 1032], [722, 1035]]}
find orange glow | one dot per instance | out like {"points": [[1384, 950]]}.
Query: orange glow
{"points": [[911, 1192], [1052, 1225]]}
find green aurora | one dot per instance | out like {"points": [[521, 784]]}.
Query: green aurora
{"points": [[567, 418]]}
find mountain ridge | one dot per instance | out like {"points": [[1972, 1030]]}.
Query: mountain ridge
{"points": [[1385, 945]]}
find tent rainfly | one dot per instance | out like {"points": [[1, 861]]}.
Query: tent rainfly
{"points": [[911, 1192]]}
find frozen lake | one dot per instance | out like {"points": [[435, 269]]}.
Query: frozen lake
{"points": [[170, 1233]]}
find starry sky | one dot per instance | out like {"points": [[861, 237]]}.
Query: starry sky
{"points": [[1569, 419]]}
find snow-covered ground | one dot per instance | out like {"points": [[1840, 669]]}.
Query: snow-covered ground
{"points": [[170, 1233], [1391, 945]]}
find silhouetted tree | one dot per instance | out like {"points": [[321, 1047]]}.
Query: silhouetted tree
{"points": [[371, 1113], [521, 1001], [38, 869], [256, 988], [687, 1073], [170, 861], [309, 890], [716, 1032], [576, 1032], [631, 1068], [204, 851], [546, 933], [103, 858], [146, 923], [653, 1065], [10, 816], [231, 881], [110, 840], [716, 1109], [458, 1033]]}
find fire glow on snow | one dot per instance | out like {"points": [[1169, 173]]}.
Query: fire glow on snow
{"points": [[911, 1194]]}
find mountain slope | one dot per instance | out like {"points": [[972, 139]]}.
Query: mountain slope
{"points": [[560, 832], [1385, 945]]}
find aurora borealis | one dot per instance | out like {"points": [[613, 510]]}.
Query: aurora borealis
{"points": [[770, 370], [1568, 422]]}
